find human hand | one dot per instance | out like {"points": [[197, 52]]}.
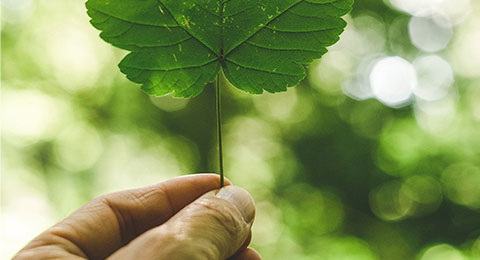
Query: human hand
{"points": [[182, 218]]}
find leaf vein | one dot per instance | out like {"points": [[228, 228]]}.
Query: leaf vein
{"points": [[271, 20], [262, 70], [282, 49], [174, 69], [168, 11], [127, 21]]}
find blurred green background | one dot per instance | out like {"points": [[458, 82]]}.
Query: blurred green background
{"points": [[376, 155]]}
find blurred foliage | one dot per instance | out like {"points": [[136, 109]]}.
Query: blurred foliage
{"points": [[351, 164]]}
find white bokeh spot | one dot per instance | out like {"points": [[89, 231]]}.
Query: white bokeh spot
{"points": [[430, 34], [435, 77], [392, 80]]}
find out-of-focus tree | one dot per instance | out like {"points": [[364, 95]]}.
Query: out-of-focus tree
{"points": [[374, 156]]}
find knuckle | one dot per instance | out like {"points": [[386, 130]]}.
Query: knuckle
{"points": [[208, 228], [223, 220]]}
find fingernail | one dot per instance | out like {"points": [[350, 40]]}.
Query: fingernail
{"points": [[241, 199]]}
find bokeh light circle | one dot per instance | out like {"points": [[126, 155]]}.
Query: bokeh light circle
{"points": [[435, 77], [442, 252], [392, 80], [456, 10], [461, 182], [430, 34]]}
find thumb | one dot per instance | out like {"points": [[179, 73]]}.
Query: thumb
{"points": [[214, 226]]}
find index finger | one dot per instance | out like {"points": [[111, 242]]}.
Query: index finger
{"points": [[111, 221]]}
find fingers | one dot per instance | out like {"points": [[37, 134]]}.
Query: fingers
{"points": [[214, 226], [109, 222], [247, 254]]}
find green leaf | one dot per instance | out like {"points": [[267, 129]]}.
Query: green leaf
{"points": [[178, 46]]}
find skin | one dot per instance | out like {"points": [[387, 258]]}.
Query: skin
{"points": [[182, 218]]}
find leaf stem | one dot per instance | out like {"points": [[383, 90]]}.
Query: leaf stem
{"points": [[219, 130]]}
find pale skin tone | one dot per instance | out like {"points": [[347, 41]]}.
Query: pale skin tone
{"points": [[182, 218]]}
